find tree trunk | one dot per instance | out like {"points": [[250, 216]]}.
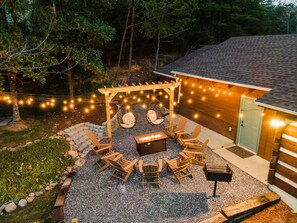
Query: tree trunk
{"points": [[15, 107], [70, 80], [131, 35], [124, 34], [157, 53]]}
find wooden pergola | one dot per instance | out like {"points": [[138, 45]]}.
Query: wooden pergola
{"points": [[110, 93]]}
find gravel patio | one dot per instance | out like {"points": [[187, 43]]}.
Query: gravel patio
{"points": [[93, 197]]}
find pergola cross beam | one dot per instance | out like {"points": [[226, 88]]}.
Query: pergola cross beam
{"points": [[110, 93]]}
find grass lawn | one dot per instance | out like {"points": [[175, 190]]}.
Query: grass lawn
{"points": [[30, 168], [12, 136], [38, 211]]}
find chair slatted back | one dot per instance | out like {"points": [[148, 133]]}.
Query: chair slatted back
{"points": [[117, 165], [181, 123], [150, 170], [196, 132], [93, 139]]}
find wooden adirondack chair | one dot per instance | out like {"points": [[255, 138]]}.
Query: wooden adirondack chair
{"points": [[103, 151], [172, 130], [179, 166], [150, 173], [195, 150], [184, 137], [96, 141], [123, 168]]}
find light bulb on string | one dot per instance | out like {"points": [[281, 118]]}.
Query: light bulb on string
{"points": [[21, 102], [92, 101], [93, 96], [195, 116], [147, 96], [138, 99], [174, 103], [218, 115], [190, 100], [92, 106], [153, 98], [43, 105], [193, 85], [65, 108], [144, 105], [47, 103], [86, 110], [160, 105], [230, 93], [141, 92], [121, 96], [71, 106], [65, 102], [160, 93], [134, 97], [79, 100], [203, 98], [192, 92], [200, 86], [217, 95], [204, 90], [53, 100]]}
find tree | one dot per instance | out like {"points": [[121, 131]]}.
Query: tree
{"points": [[24, 48], [81, 33], [165, 19]]}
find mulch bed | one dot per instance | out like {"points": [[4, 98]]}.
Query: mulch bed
{"points": [[94, 197]]}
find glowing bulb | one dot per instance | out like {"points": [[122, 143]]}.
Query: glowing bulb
{"points": [[212, 89], [166, 96], [154, 90], [128, 107], [138, 99], [134, 97], [21, 102], [9, 101], [192, 92], [43, 105], [217, 95], [147, 96], [92, 101], [160, 93], [93, 95], [174, 103], [224, 92], [121, 96], [71, 105], [173, 115], [219, 91], [200, 86], [161, 105], [64, 102], [87, 110], [92, 106], [65, 108], [144, 106], [230, 93], [79, 100], [262, 114], [240, 115], [203, 98], [31, 99], [153, 98], [29, 102], [196, 116], [243, 95], [209, 88], [125, 100], [276, 123], [141, 92], [193, 85], [204, 90], [186, 82], [111, 111], [181, 94], [218, 115], [47, 103], [190, 100], [129, 92], [52, 104], [53, 100]]}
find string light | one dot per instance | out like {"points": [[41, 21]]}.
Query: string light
{"points": [[141, 92], [21, 102], [217, 95], [190, 100], [166, 96], [160, 93], [138, 99], [92, 101], [161, 105], [93, 95], [43, 105], [203, 98], [86, 110], [174, 103], [230, 93], [218, 115], [192, 92], [204, 90], [262, 114], [65, 102], [193, 85], [196, 116], [153, 98], [240, 115], [143, 105], [65, 108], [148, 96], [121, 96], [79, 100], [92, 106], [71, 106], [200, 86], [111, 112], [186, 82]]}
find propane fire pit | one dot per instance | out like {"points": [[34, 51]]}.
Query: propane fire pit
{"points": [[217, 173]]}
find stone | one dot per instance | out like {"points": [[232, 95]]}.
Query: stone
{"points": [[68, 139], [63, 177], [32, 194], [29, 143], [80, 162], [2, 207], [60, 133], [73, 154], [22, 203], [53, 184], [69, 169], [30, 199], [71, 143], [48, 188], [10, 207], [38, 193]]}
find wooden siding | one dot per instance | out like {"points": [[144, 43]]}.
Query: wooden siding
{"points": [[285, 186], [284, 171]]}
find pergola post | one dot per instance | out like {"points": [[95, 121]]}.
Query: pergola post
{"points": [[171, 107], [108, 122]]}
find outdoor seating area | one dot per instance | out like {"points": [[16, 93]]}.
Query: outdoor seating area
{"points": [[136, 188]]}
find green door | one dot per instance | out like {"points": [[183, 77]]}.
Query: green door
{"points": [[249, 125]]}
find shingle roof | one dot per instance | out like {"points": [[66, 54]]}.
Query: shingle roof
{"points": [[260, 61]]}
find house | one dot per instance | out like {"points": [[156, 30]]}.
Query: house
{"points": [[239, 88]]}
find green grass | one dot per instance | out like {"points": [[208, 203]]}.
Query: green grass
{"points": [[38, 211], [36, 130], [32, 167]]}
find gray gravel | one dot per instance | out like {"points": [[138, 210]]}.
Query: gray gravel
{"points": [[94, 197]]}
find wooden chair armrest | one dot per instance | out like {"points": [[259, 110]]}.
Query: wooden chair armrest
{"points": [[193, 153], [189, 140], [166, 127], [184, 156], [118, 157], [103, 149], [131, 164], [160, 165], [180, 132], [140, 164]]}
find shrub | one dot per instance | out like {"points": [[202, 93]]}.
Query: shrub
{"points": [[32, 167]]}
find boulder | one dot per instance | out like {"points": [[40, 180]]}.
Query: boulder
{"points": [[30, 199], [10, 207], [73, 153], [2, 207], [80, 162], [22, 203]]}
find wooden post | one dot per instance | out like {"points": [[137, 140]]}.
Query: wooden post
{"points": [[171, 107], [108, 122]]}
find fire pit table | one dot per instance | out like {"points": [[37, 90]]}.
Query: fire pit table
{"points": [[217, 173], [151, 143]]}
